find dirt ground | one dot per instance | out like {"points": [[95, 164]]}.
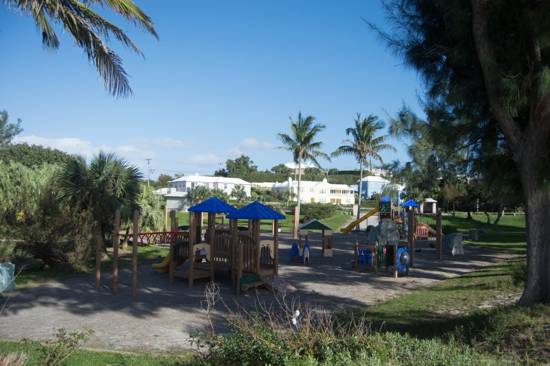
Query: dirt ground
{"points": [[163, 316]]}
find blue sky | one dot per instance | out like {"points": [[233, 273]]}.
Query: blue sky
{"points": [[223, 79]]}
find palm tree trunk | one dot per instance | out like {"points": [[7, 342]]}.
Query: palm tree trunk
{"points": [[297, 217], [360, 190]]}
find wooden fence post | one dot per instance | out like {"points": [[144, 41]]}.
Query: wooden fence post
{"points": [[439, 234], [276, 246], [174, 229], [234, 230], [410, 236], [296, 223], [135, 252], [212, 241], [194, 220], [116, 242]]}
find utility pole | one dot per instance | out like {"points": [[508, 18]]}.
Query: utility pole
{"points": [[148, 171]]}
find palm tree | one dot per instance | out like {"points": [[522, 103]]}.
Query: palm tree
{"points": [[364, 145], [90, 31], [238, 193], [301, 142], [105, 185]]}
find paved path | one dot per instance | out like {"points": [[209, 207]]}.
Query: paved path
{"points": [[164, 316]]}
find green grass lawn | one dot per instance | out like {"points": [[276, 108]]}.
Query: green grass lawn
{"points": [[90, 358], [478, 309], [509, 234]]}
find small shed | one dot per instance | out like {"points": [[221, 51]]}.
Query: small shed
{"points": [[429, 206], [326, 241]]}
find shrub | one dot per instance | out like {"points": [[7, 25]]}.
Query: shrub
{"points": [[289, 334], [318, 211]]}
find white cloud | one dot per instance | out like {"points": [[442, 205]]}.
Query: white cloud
{"points": [[250, 144], [71, 145], [255, 144], [206, 159]]}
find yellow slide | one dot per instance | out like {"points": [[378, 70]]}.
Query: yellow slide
{"points": [[350, 227], [164, 266]]}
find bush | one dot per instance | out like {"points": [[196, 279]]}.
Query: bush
{"points": [[284, 332], [319, 211]]}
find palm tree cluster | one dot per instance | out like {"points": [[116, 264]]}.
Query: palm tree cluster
{"points": [[108, 183], [363, 143]]}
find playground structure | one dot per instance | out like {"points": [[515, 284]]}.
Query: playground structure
{"points": [[403, 229], [239, 251]]}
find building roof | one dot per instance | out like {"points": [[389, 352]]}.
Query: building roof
{"points": [[256, 211], [430, 200], [310, 183], [213, 205], [374, 178], [209, 179], [314, 225]]}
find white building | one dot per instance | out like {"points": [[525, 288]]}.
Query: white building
{"points": [[188, 182], [317, 192], [372, 184], [175, 200]]}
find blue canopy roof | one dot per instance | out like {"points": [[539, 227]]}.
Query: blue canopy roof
{"points": [[256, 211], [410, 203], [212, 205], [385, 199]]}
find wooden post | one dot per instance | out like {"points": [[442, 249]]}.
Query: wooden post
{"points": [[276, 246], [375, 258], [212, 241], [116, 242], [239, 267], [273, 225], [439, 235], [97, 258], [194, 219], [174, 229], [296, 222], [135, 253], [165, 228], [395, 260], [356, 255], [410, 236], [258, 247], [233, 227]]}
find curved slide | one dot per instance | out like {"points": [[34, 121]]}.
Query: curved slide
{"points": [[353, 224], [164, 266]]}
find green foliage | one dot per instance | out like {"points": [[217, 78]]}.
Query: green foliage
{"points": [[108, 183], [197, 194], [32, 215], [238, 193], [317, 211], [91, 32], [163, 180], [32, 155], [151, 208], [8, 130], [302, 140], [255, 341], [55, 352]]}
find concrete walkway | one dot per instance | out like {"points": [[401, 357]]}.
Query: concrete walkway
{"points": [[163, 316]]}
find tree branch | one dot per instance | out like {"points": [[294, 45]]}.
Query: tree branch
{"points": [[486, 56]]}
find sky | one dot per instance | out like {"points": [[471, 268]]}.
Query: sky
{"points": [[223, 79]]}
